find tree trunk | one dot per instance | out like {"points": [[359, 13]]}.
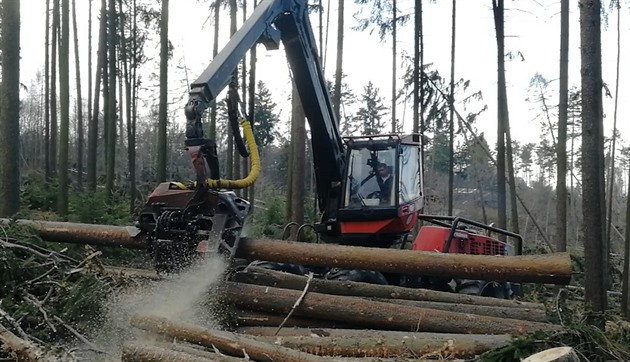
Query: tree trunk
{"points": [[518, 247], [386, 344], [261, 276], [64, 101], [89, 72], [561, 148], [498, 11], [371, 314], [162, 115], [394, 65], [611, 175], [231, 172], [47, 95], [79, 98], [93, 126], [134, 104], [111, 104], [53, 90], [625, 283], [298, 136], [212, 133], [252, 110], [339, 63], [451, 122], [245, 100], [10, 108], [593, 208], [227, 342], [131, 152]]}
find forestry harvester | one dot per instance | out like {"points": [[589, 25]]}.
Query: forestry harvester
{"points": [[369, 188]]}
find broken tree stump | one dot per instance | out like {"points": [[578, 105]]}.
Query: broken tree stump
{"points": [[558, 354], [262, 276], [372, 314]]}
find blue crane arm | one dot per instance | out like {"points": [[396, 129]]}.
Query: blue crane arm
{"points": [[287, 21]]}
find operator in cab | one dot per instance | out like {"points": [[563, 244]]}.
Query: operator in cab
{"points": [[385, 182]]}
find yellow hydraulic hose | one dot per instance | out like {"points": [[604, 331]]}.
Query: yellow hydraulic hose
{"points": [[254, 163]]}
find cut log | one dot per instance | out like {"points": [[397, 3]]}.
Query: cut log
{"points": [[77, 233], [558, 354], [253, 318], [526, 314], [262, 276], [24, 350], [372, 314], [134, 352], [197, 351], [424, 345], [549, 268], [229, 343]]}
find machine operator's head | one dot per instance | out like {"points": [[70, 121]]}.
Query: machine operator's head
{"points": [[382, 169]]}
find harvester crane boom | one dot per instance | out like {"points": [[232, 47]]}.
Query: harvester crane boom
{"points": [[272, 21]]}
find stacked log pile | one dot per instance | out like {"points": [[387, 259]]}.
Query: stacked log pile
{"points": [[277, 316]]}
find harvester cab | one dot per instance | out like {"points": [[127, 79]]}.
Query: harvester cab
{"points": [[382, 190]]}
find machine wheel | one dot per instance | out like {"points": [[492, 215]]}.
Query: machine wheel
{"points": [[355, 275], [283, 267], [483, 288]]}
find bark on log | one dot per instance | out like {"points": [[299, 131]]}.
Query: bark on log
{"points": [[526, 314], [371, 314], [134, 352], [558, 354], [197, 351], [229, 343], [248, 318], [24, 350], [424, 345], [77, 233], [262, 276], [548, 268]]}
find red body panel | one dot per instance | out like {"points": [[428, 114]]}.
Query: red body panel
{"points": [[396, 225], [433, 238]]}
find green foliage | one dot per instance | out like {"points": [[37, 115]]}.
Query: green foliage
{"points": [[372, 110], [265, 117], [590, 343], [95, 208], [39, 194]]}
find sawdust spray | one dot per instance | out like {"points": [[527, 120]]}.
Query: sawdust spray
{"points": [[179, 297]]}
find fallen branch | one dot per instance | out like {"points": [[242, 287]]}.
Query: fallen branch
{"points": [[79, 335], [297, 302]]}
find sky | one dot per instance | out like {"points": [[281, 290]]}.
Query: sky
{"points": [[532, 29]]}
